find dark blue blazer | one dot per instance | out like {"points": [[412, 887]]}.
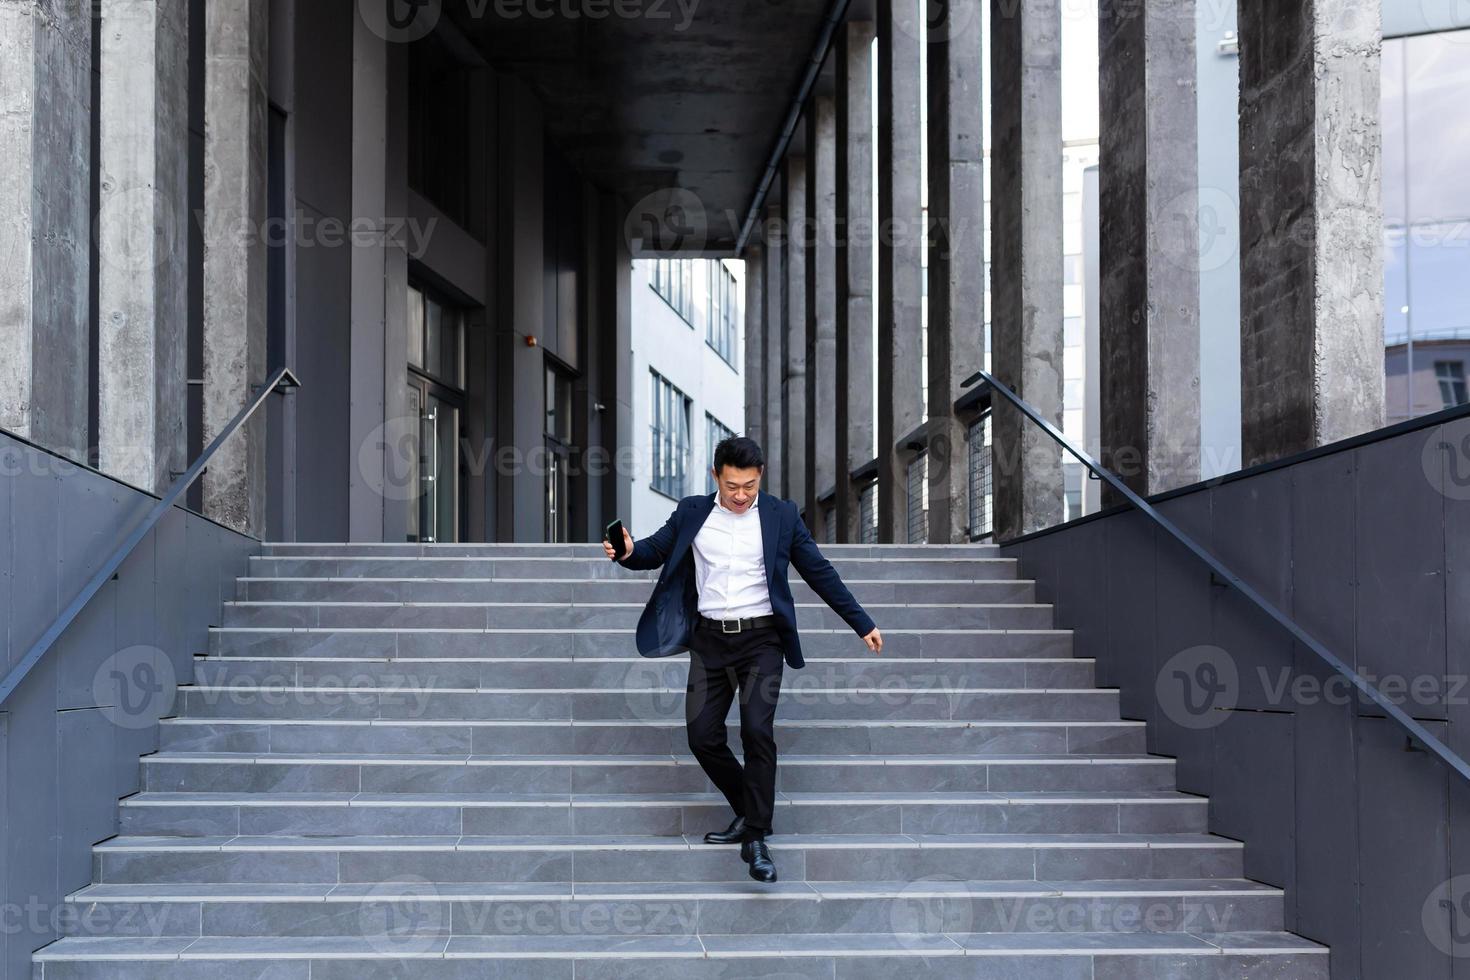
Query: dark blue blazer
{"points": [[673, 609]]}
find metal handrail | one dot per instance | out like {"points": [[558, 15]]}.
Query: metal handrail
{"points": [[282, 380], [1416, 732]]}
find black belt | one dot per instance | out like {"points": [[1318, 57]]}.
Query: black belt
{"points": [[736, 625]]}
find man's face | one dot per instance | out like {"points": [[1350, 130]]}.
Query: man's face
{"points": [[738, 488]]}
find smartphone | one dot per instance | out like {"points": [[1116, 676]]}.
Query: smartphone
{"points": [[614, 537]]}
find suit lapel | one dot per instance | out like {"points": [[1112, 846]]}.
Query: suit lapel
{"points": [[690, 529], [768, 533]]}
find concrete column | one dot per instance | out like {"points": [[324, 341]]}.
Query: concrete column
{"points": [[793, 341], [521, 368], [615, 370], [755, 343], [1026, 258], [367, 361], [45, 168], [1311, 269], [1149, 241], [774, 239], [956, 252], [821, 306], [900, 256], [235, 254], [853, 399], [142, 239]]}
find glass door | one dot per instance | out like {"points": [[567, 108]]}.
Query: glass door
{"points": [[436, 399], [436, 517]]}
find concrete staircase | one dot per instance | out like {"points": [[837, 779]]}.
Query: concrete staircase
{"points": [[449, 762]]}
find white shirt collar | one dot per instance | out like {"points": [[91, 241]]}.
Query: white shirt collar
{"points": [[720, 506]]}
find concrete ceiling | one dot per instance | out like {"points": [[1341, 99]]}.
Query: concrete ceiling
{"points": [[676, 108]]}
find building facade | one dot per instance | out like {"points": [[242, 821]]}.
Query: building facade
{"points": [[689, 392]]}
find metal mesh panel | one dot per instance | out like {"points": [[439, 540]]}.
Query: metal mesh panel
{"points": [[918, 501], [978, 437], [868, 514]]}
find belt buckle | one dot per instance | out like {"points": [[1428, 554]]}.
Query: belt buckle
{"points": [[725, 626]]}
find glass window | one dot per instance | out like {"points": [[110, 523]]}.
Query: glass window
{"points": [[1072, 331], [1072, 480], [670, 436], [1426, 211], [721, 332], [415, 328], [435, 338], [558, 405], [715, 432], [1451, 378], [673, 279]]}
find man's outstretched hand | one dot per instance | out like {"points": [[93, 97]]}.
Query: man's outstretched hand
{"points": [[874, 640], [627, 545]]}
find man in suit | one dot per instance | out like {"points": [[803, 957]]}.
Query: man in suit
{"points": [[723, 595]]}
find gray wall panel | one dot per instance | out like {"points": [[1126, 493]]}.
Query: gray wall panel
{"points": [[1323, 903], [66, 759], [1181, 624], [1367, 545], [1401, 811], [1254, 791], [1401, 609], [1262, 653]]}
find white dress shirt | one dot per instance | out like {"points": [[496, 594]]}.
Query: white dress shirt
{"points": [[730, 564]]}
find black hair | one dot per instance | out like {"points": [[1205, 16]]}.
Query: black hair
{"points": [[739, 452]]}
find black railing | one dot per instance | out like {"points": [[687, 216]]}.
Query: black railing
{"points": [[282, 380], [1416, 732]]}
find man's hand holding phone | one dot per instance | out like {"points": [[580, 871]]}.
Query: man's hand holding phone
{"points": [[616, 532]]}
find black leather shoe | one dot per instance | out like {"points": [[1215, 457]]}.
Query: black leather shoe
{"points": [[730, 835], [756, 854]]}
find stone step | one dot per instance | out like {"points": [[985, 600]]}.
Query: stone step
{"points": [[318, 772], [892, 569], [645, 703], [593, 590], [875, 956], [594, 550], [1043, 643], [152, 814], [443, 909], [623, 672], [852, 737], [619, 615], [369, 860]]}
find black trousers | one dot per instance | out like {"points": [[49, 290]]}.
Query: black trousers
{"points": [[720, 664]]}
